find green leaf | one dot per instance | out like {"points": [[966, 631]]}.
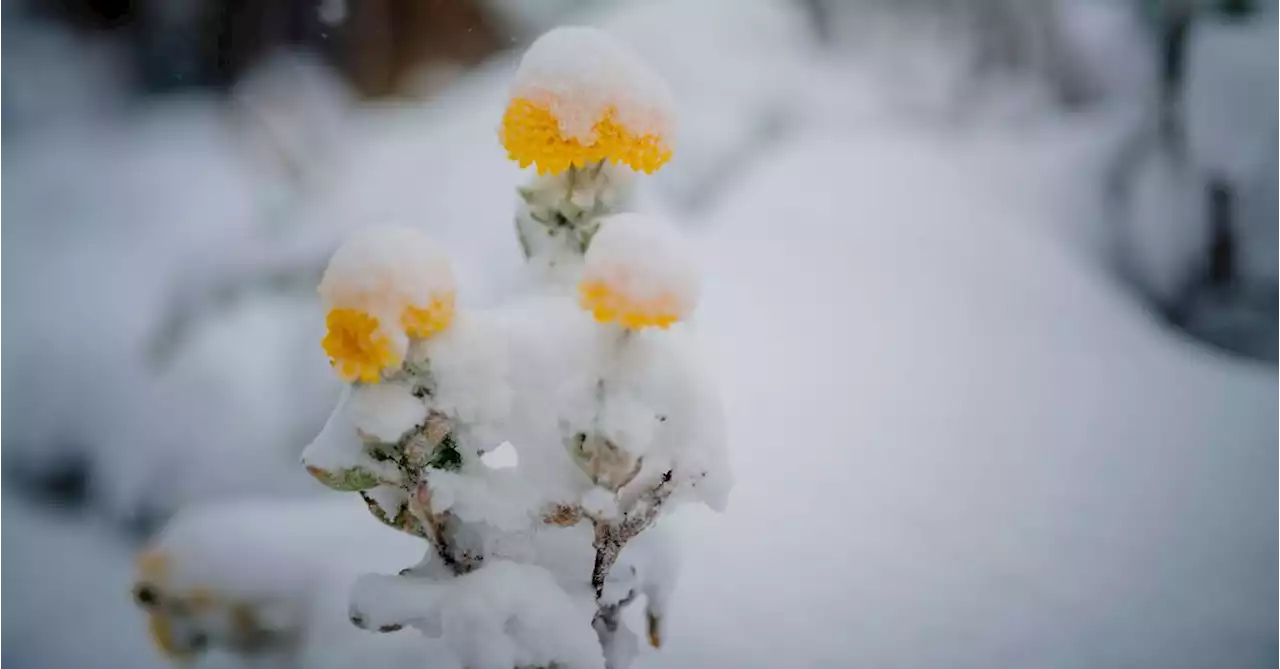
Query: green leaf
{"points": [[446, 456]]}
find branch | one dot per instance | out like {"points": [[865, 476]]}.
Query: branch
{"points": [[645, 509], [610, 537], [422, 450], [426, 447], [439, 527]]}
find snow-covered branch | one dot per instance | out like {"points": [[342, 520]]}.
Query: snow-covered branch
{"points": [[611, 535]]}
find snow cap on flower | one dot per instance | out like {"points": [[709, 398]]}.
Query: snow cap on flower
{"points": [[638, 273], [382, 286], [581, 97]]}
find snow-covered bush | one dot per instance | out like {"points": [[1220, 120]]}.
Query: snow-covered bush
{"points": [[588, 374], [266, 580]]}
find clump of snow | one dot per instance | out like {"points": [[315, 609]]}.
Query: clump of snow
{"points": [[600, 503], [550, 341], [626, 419], [389, 498], [644, 260], [385, 411], [580, 74], [383, 269], [649, 564], [500, 616], [621, 647], [652, 396], [498, 498], [655, 557], [339, 446], [469, 369], [691, 433], [657, 400]]}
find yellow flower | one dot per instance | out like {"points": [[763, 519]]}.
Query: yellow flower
{"points": [[608, 305], [423, 322], [384, 286], [531, 134], [358, 348]]}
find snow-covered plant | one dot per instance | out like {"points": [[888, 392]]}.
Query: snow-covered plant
{"points": [[594, 386]]}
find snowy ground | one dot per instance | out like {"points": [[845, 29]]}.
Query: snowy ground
{"points": [[957, 441], [963, 454]]}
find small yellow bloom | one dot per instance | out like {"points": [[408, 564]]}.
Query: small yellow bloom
{"points": [[358, 348], [426, 321], [610, 305], [531, 134], [383, 286]]}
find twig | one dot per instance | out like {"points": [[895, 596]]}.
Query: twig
{"points": [[416, 449], [611, 537], [438, 529], [608, 546]]}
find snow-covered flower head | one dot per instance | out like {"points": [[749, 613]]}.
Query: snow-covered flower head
{"points": [[638, 273], [581, 97], [383, 286]]}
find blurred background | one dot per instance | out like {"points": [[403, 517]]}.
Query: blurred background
{"points": [[992, 285]]}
